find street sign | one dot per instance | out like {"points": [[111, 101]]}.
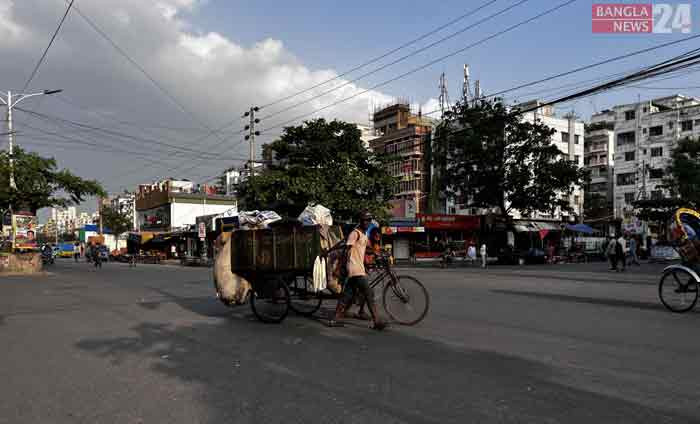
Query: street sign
{"points": [[202, 230]]}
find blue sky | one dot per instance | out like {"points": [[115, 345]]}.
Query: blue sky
{"points": [[340, 35]]}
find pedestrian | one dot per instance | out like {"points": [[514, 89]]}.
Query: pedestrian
{"points": [[484, 257], [620, 252], [471, 253], [610, 253], [357, 275], [633, 251], [76, 251]]}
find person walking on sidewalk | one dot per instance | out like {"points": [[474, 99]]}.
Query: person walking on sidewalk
{"points": [[620, 253], [610, 253], [484, 255], [357, 275], [633, 251]]}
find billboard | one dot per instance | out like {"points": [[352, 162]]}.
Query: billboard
{"points": [[24, 228], [155, 219]]}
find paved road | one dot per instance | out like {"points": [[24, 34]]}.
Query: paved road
{"points": [[562, 344]]}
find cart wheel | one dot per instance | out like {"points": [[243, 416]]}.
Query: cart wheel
{"points": [[303, 300], [270, 301], [407, 301]]}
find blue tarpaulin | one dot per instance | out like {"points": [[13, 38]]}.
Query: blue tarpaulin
{"points": [[580, 228]]}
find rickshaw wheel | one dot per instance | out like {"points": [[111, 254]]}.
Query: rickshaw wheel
{"points": [[303, 300], [270, 301]]}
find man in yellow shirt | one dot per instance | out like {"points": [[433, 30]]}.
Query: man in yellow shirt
{"points": [[357, 275]]}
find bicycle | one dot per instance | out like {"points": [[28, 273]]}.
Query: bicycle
{"points": [[678, 288]]}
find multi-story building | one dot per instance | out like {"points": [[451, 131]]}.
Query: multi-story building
{"points": [[646, 133], [64, 219], [125, 203], [175, 204], [568, 138], [367, 134], [404, 134], [598, 158]]}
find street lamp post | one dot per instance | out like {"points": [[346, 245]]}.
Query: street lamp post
{"points": [[11, 102]]}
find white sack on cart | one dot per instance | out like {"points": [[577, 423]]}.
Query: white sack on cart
{"points": [[253, 220], [319, 275], [316, 215], [230, 287]]}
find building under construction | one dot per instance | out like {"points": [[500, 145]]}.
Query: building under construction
{"points": [[406, 135]]}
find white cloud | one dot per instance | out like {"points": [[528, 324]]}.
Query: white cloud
{"points": [[211, 75]]}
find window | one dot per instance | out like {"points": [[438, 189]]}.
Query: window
{"points": [[687, 126], [657, 152], [697, 122], [670, 125], [656, 174], [657, 195], [654, 131], [629, 156], [629, 115], [576, 138], [576, 159], [587, 161], [644, 130], [625, 179], [625, 138], [564, 137], [644, 151], [645, 109], [629, 198], [603, 171], [576, 199]]}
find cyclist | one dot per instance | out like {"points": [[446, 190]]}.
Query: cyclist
{"points": [[357, 275]]}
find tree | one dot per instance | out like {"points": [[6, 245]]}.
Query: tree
{"points": [[40, 184], [324, 163], [487, 156], [683, 178], [115, 220]]}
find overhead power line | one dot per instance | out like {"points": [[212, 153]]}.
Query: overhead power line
{"points": [[433, 62], [389, 53], [43, 56]]}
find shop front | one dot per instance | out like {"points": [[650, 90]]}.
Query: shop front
{"points": [[442, 231], [400, 236]]}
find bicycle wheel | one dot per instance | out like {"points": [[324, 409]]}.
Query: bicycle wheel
{"points": [[407, 301], [270, 301], [678, 290], [303, 300]]}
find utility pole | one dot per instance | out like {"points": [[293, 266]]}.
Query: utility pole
{"points": [[99, 210], [251, 136], [11, 101]]}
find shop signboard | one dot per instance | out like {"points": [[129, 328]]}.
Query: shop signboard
{"points": [[202, 230], [157, 218], [24, 229], [450, 222]]}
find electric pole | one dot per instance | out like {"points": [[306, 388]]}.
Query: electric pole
{"points": [[251, 136]]}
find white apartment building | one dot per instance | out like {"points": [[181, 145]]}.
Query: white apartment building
{"points": [[64, 219], [125, 203], [569, 138], [599, 156], [646, 133]]}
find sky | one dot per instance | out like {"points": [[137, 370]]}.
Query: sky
{"points": [[143, 106]]}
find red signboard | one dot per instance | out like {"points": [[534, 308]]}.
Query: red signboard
{"points": [[450, 222]]}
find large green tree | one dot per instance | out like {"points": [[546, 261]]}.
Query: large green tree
{"points": [[320, 162], [488, 156], [40, 184], [683, 174]]}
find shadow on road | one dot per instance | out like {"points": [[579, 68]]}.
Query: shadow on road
{"points": [[301, 371], [584, 299]]}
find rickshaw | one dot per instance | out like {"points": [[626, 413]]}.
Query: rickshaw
{"points": [[278, 262], [678, 288]]}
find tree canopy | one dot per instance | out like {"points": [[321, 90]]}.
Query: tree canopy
{"points": [[40, 184], [488, 156], [320, 162], [116, 221], [683, 178]]}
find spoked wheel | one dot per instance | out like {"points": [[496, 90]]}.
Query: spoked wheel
{"points": [[678, 290], [270, 301], [406, 302], [303, 300]]}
